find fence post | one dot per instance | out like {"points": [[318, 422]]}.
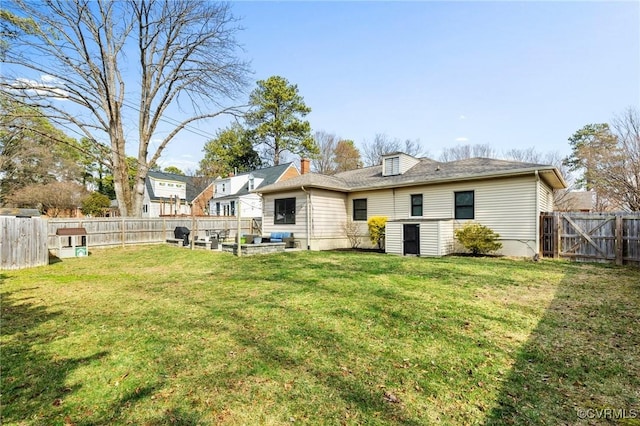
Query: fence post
{"points": [[619, 242], [558, 245], [194, 228]]}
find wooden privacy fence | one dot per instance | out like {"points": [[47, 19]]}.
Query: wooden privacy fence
{"points": [[23, 242], [591, 237], [110, 232]]}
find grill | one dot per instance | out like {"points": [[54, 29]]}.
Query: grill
{"points": [[182, 232]]}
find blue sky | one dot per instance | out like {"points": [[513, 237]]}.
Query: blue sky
{"points": [[508, 74]]}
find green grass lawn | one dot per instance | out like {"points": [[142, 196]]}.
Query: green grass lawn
{"points": [[162, 335]]}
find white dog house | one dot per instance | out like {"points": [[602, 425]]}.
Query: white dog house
{"points": [[72, 242]]}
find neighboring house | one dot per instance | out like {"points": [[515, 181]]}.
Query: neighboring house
{"points": [[424, 201], [228, 192], [168, 194], [574, 201]]}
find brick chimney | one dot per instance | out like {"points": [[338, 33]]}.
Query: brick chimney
{"points": [[305, 166]]}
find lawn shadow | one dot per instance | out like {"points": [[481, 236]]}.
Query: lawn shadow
{"points": [[355, 393], [582, 357], [33, 381]]}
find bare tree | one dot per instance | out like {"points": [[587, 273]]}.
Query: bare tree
{"points": [[102, 62], [381, 145], [462, 152], [622, 173], [324, 162], [52, 198], [352, 231], [414, 148]]}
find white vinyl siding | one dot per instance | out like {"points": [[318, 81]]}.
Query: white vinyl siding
{"points": [[299, 228], [506, 205], [394, 238], [329, 213], [379, 203], [545, 197], [166, 188], [510, 206], [436, 237], [397, 164], [251, 206], [407, 162]]}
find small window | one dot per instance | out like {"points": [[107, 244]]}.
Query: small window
{"points": [[360, 209], [251, 184], [233, 208], [416, 205], [161, 184], [145, 208], [392, 166], [217, 209], [464, 205], [285, 211]]}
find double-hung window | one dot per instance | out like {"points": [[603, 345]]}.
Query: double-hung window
{"points": [[285, 211], [464, 205], [416, 205], [360, 209]]}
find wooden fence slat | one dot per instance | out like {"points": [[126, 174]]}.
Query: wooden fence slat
{"points": [[23, 242], [614, 238], [112, 232], [585, 235]]}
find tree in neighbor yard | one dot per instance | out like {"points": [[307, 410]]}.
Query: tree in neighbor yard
{"points": [[51, 198], [382, 144], [231, 150], [323, 162], [623, 177], [462, 152], [335, 155], [275, 120], [32, 151], [109, 69], [607, 158], [95, 204], [346, 156], [173, 170]]}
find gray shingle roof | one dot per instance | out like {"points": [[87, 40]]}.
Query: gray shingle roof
{"points": [[270, 175], [426, 171], [191, 189]]}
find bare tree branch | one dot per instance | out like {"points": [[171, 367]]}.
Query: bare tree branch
{"points": [[185, 51]]}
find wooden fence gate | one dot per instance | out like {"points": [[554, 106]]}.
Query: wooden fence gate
{"points": [[591, 237]]}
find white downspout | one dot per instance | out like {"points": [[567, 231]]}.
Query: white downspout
{"points": [[537, 253], [308, 217]]}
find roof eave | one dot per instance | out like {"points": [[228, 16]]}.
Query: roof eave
{"points": [[559, 184]]}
